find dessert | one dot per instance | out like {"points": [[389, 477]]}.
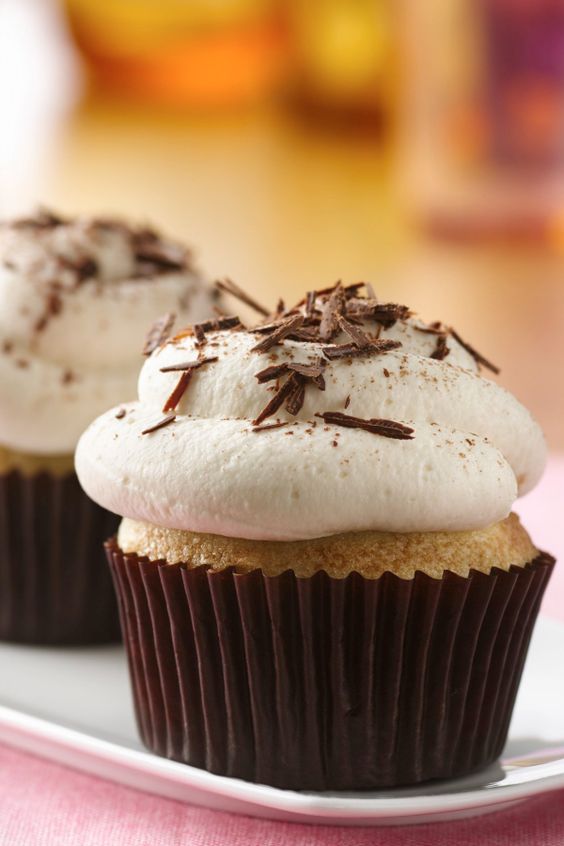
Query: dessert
{"points": [[321, 583], [75, 297]]}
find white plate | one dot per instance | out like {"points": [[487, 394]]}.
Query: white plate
{"points": [[74, 706]]}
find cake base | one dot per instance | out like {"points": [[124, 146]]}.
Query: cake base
{"points": [[321, 683], [55, 588]]}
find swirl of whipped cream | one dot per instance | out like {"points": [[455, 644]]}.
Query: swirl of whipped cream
{"points": [[473, 450], [76, 298]]}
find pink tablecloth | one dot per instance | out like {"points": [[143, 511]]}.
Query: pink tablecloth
{"points": [[42, 804]]}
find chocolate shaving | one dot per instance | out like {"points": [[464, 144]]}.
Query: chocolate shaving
{"points": [[348, 401], [155, 255], [230, 322], [210, 326], [310, 303], [296, 398], [276, 402], [229, 287], [435, 328], [160, 424], [158, 333], [304, 333], [121, 414], [188, 365], [269, 426], [378, 426], [312, 372], [42, 219], [385, 313], [271, 373], [349, 291], [279, 334], [179, 390], [200, 334], [86, 269], [474, 353], [357, 336], [441, 349], [267, 328], [352, 351], [330, 311]]}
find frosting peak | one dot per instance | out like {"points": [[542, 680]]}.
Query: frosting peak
{"points": [[342, 414]]}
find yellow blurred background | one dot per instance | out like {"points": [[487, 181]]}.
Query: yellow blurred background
{"points": [[418, 145]]}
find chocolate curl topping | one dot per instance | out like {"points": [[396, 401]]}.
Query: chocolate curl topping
{"points": [[157, 255], [269, 426], [352, 351], [179, 390], [478, 357], [42, 219], [279, 334], [276, 402], [271, 373], [441, 348], [385, 313], [188, 365], [159, 333], [378, 426], [296, 398], [330, 311], [160, 424], [229, 287], [357, 336]]}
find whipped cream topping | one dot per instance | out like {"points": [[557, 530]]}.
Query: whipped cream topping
{"points": [[473, 450], [76, 298]]}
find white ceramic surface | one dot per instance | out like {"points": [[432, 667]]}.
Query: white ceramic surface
{"points": [[74, 706]]}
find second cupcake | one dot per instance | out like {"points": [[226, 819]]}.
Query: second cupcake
{"points": [[75, 298]]}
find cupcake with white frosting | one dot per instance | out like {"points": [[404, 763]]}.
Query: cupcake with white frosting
{"points": [[321, 582], [75, 299]]}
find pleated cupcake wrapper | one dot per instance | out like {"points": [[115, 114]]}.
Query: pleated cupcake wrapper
{"points": [[322, 683], [55, 587]]}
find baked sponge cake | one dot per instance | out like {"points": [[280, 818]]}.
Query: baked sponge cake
{"points": [[321, 582]]}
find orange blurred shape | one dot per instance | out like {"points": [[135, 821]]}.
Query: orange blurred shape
{"points": [[173, 53]]}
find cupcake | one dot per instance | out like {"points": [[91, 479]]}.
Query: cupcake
{"points": [[75, 300], [320, 580]]}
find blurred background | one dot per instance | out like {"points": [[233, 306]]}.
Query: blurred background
{"points": [[416, 144]]}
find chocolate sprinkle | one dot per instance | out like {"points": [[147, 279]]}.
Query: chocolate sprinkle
{"points": [[295, 401], [200, 334], [188, 365], [121, 414], [378, 426], [478, 358], [279, 334], [330, 312], [160, 424], [441, 349], [271, 373], [158, 333], [357, 336], [276, 402], [352, 351], [269, 426], [385, 313], [229, 287]]}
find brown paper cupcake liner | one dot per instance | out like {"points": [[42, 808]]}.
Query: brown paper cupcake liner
{"points": [[322, 683], [55, 587]]}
